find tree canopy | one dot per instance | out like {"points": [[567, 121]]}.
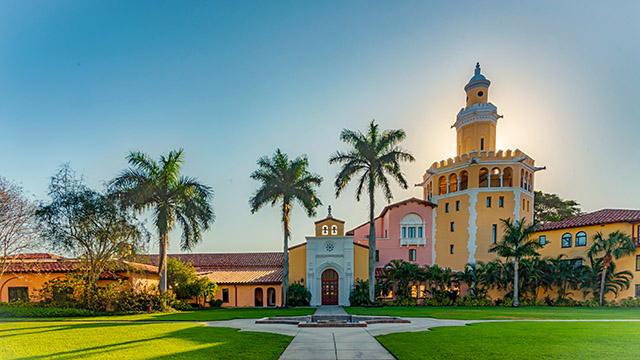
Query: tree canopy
{"points": [[87, 223], [551, 207]]}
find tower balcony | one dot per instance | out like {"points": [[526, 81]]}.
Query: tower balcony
{"points": [[477, 112]]}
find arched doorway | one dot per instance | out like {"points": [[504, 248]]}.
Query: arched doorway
{"points": [[271, 297], [258, 297], [329, 287]]}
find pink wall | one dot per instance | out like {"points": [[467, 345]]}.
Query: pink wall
{"points": [[388, 233]]}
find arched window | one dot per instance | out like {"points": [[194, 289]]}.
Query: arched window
{"points": [[329, 274], [581, 239], [334, 230], [522, 178], [529, 184], [481, 144], [484, 182], [495, 177], [325, 230], [566, 240], [453, 183], [443, 185], [464, 180], [271, 297], [507, 177], [259, 300], [411, 227]]}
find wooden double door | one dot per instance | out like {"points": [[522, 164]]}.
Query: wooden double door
{"points": [[329, 287]]}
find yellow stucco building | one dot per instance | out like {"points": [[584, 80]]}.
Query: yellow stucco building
{"points": [[477, 187]]}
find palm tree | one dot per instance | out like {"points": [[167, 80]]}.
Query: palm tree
{"points": [[373, 156], [516, 244], [616, 245], [590, 278], [148, 184], [285, 181]]}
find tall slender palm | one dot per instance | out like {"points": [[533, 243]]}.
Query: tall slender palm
{"points": [[373, 156], [285, 181], [616, 245], [516, 244], [159, 186]]}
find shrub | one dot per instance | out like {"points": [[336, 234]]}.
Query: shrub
{"points": [[471, 302], [359, 295], [507, 302], [215, 303], [181, 305], [443, 301], [402, 302], [630, 302], [531, 302], [298, 295], [153, 300], [33, 310]]}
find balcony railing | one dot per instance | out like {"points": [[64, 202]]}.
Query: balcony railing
{"points": [[413, 241]]}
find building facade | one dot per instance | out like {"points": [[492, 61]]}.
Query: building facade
{"points": [[403, 231], [478, 187]]}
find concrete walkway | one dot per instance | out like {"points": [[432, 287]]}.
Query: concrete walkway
{"points": [[334, 343]]}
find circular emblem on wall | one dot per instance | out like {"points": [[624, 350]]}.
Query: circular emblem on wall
{"points": [[329, 247]]}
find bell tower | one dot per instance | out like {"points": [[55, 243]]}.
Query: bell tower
{"points": [[476, 123]]}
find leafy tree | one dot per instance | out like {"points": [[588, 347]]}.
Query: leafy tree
{"points": [[372, 156], [17, 226], [185, 283], [616, 245], [89, 224], [298, 295], [591, 277], [159, 186], [516, 244], [551, 207], [359, 295], [285, 182], [404, 274]]}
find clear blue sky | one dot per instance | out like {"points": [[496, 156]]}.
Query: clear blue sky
{"points": [[84, 82]]}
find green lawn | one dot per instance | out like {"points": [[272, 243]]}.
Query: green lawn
{"points": [[500, 313], [68, 340], [198, 315], [520, 340]]}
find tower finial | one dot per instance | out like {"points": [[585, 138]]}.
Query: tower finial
{"points": [[477, 68], [329, 209]]}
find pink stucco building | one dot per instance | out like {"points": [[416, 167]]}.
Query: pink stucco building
{"points": [[403, 231]]}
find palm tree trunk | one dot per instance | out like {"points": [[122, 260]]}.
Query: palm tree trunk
{"points": [[515, 283], [605, 266], [162, 263], [285, 261], [372, 243]]}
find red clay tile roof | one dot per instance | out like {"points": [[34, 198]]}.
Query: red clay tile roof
{"points": [[394, 205], [329, 218], [30, 256], [229, 260], [604, 216], [60, 266], [246, 276]]}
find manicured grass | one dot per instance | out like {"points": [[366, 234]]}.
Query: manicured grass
{"points": [[519, 340], [198, 315], [68, 340], [499, 313]]}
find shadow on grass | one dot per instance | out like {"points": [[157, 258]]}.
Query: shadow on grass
{"points": [[194, 342]]}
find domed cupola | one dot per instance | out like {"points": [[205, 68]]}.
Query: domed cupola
{"points": [[477, 88]]}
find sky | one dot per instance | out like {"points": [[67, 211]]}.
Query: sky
{"points": [[85, 82]]}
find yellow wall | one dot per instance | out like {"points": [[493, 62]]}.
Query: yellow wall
{"points": [[487, 217], [329, 222], [468, 137], [360, 263], [34, 282], [473, 95], [244, 295], [298, 265], [553, 248], [458, 238]]}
